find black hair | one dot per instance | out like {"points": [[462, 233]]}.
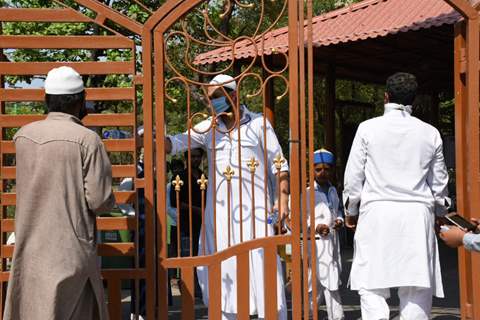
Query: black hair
{"points": [[402, 88], [65, 103], [176, 164], [185, 154]]}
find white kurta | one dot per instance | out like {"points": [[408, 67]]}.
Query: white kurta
{"points": [[328, 262], [397, 176], [227, 154]]}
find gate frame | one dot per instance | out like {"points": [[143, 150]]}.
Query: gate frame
{"points": [[467, 151]]}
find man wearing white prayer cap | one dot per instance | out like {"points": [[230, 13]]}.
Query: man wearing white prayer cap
{"points": [[64, 179], [234, 124], [395, 184]]}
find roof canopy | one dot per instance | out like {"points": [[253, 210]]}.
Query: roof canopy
{"points": [[370, 40]]}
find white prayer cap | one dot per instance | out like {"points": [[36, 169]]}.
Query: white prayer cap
{"points": [[225, 80], [141, 131], [63, 80]]}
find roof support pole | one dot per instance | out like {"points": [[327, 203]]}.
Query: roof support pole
{"points": [[329, 118]]}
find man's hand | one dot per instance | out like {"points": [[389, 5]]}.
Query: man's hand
{"points": [[322, 229], [338, 224], [453, 237], [283, 216], [284, 207], [351, 221]]}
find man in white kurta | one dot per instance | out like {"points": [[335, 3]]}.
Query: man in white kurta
{"points": [[328, 220], [225, 150], [396, 180]]}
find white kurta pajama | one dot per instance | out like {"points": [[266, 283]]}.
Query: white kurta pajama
{"points": [[328, 261], [226, 145], [397, 175]]}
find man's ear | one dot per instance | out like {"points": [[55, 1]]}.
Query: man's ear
{"points": [[386, 98]]}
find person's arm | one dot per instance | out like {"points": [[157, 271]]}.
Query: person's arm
{"points": [[437, 179], [284, 193], [339, 221], [471, 241], [318, 211], [98, 179], [273, 151], [355, 175], [179, 143]]}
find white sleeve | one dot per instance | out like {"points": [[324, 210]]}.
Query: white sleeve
{"points": [[355, 174], [180, 141], [320, 209], [437, 179], [273, 149], [336, 205], [471, 241]]}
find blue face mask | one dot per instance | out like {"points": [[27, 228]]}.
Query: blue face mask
{"points": [[220, 104]]}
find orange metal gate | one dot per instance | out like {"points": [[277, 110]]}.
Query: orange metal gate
{"points": [[152, 74], [243, 170]]}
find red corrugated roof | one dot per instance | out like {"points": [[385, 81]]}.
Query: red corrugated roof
{"points": [[366, 19]]}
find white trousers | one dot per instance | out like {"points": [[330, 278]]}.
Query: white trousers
{"points": [[333, 302], [282, 315], [415, 303]]}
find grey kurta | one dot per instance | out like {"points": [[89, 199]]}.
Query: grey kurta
{"points": [[63, 178]]}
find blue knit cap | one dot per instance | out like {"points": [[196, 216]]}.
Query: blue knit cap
{"points": [[323, 156]]}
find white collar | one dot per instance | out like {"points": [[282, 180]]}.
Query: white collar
{"points": [[395, 106]]}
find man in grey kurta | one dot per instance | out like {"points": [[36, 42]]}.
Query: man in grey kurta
{"points": [[63, 180]]}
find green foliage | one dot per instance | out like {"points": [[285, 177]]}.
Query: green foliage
{"points": [[237, 22]]}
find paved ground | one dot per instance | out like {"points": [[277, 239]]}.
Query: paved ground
{"points": [[443, 309]]}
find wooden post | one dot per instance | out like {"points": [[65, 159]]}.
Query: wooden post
{"points": [[329, 119], [269, 94], [467, 157]]}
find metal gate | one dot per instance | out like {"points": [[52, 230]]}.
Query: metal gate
{"points": [[150, 76], [232, 180]]}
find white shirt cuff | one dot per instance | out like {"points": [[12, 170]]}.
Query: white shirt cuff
{"points": [[469, 240]]}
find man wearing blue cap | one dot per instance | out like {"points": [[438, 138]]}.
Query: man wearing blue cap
{"points": [[238, 132], [328, 220]]}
